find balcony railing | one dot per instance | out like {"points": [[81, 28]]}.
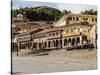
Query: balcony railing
{"points": [[71, 34]]}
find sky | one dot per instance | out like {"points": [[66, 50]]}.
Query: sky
{"points": [[75, 8]]}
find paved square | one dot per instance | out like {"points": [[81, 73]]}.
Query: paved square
{"points": [[46, 63]]}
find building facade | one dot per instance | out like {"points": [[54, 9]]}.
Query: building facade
{"points": [[71, 31], [76, 19], [48, 39], [63, 37], [24, 41]]}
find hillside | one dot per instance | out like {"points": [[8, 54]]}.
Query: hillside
{"points": [[45, 13], [39, 13]]}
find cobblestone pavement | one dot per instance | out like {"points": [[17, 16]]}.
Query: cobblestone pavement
{"points": [[46, 63]]}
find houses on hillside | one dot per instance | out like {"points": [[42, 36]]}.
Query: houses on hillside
{"points": [[70, 31]]}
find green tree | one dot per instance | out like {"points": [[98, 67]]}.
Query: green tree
{"points": [[40, 13], [89, 12]]}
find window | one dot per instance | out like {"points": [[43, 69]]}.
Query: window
{"points": [[69, 40], [78, 40], [69, 18], [77, 18], [73, 18], [65, 42], [53, 34], [50, 34], [92, 19], [24, 37], [96, 19], [85, 18], [56, 33]]}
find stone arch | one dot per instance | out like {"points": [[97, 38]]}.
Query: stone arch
{"points": [[57, 42], [54, 43], [84, 39], [73, 41], [40, 45], [78, 40], [45, 44], [49, 42], [69, 40], [65, 42], [34, 45], [60, 43]]}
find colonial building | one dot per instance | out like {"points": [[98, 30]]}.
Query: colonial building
{"points": [[25, 40], [26, 26], [48, 39], [76, 19], [94, 35], [63, 37], [72, 30], [20, 25], [76, 35]]}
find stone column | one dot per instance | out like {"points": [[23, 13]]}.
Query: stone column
{"points": [[70, 41], [47, 44], [37, 45], [80, 40], [54, 41], [63, 43], [50, 43]]}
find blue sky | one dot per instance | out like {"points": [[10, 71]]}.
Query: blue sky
{"points": [[75, 8]]}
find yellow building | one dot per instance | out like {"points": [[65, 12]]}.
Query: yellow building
{"points": [[71, 31], [69, 36], [79, 24], [93, 35], [76, 35], [76, 19]]}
